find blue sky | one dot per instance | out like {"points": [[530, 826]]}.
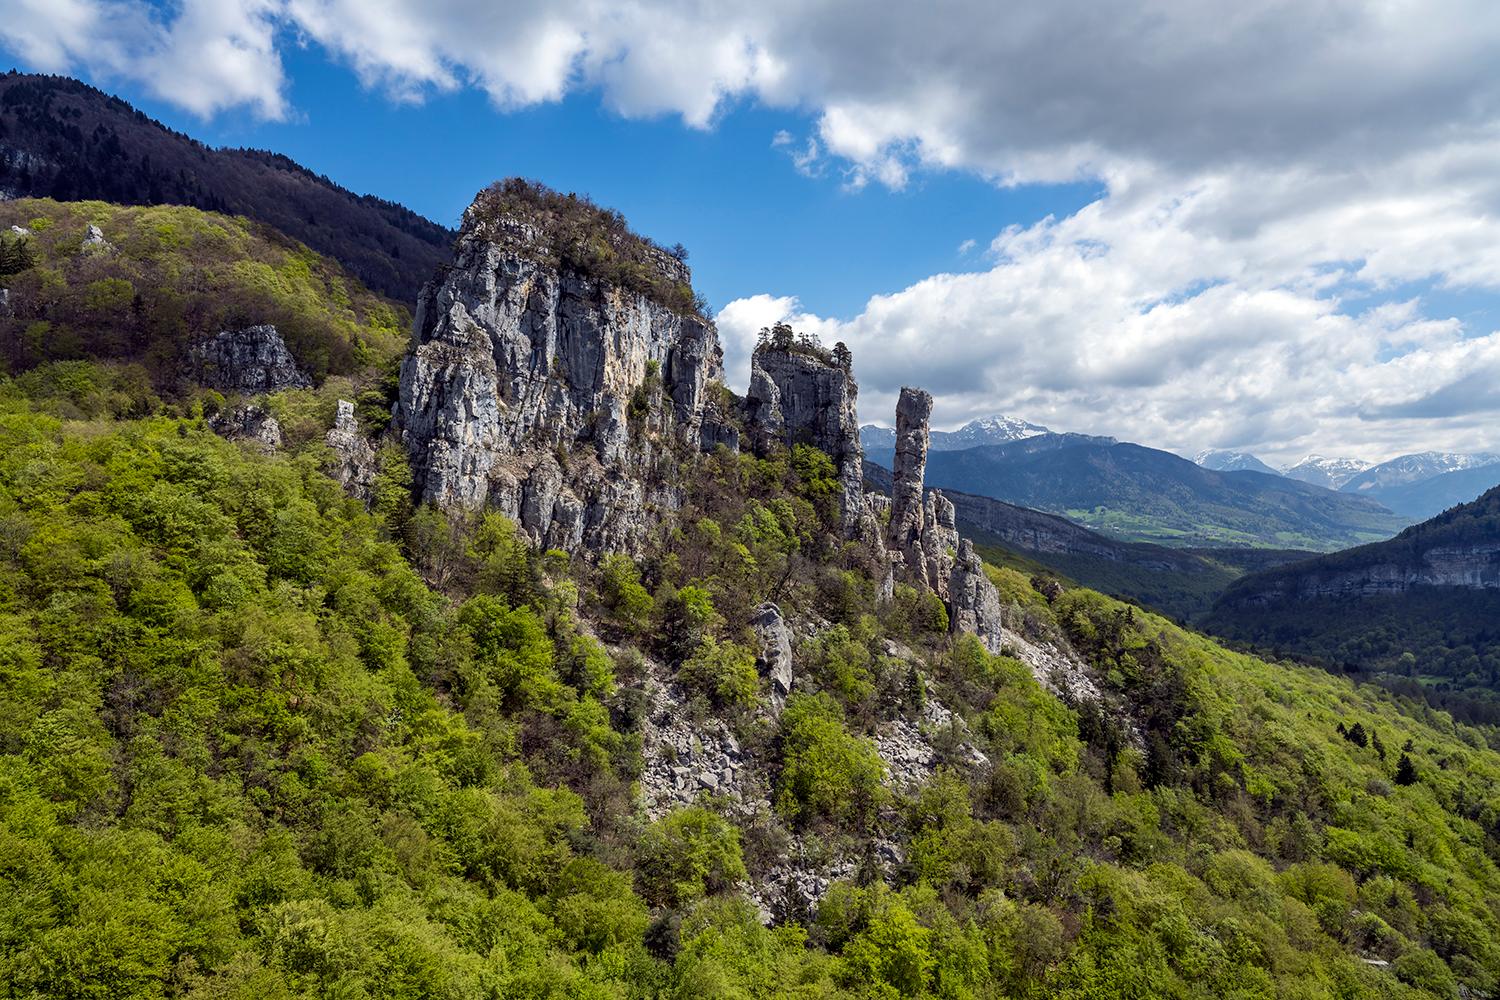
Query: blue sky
{"points": [[751, 221], [1263, 226]]}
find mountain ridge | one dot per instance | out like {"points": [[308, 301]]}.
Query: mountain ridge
{"points": [[1143, 494], [63, 139]]}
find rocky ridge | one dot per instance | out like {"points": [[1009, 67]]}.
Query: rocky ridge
{"points": [[551, 396]]}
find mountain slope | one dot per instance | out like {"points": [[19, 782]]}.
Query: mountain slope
{"points": [[1430, 497], [1330, 473], [1427, 602], [62, 139], [162, 278], [1410, 470], [262, 739], [1179, 582], [1141, 494]]}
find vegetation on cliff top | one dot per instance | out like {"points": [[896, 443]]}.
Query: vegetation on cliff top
{"points": [[575, 233]]}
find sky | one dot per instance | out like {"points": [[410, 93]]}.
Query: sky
{"points": [[1267, 225]]}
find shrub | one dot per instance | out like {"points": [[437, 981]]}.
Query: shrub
{"points": [[725, 671], [688, 854], [826, 771]]}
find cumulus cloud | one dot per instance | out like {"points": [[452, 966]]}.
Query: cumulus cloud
{"points": [[1265, 166], [204, 56], [1189, 312]]}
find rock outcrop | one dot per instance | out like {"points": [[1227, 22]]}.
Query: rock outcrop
{"points": [[775, 660], [355, 466], [550, 394], [249, 423], [249, 362], [913, 410], [803, 395], [922, 533], [93, 239]]}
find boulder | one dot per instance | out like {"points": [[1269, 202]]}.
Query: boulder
{"points": [[355, 464], [248, 362], [248, 423], [775, 661]]}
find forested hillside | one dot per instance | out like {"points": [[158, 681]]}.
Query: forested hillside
{"points": [[1142, 494], [260, 741], [157, 279], [1421, 611], [62, 139]]}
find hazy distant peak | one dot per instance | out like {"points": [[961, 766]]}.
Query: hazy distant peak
{"points": [[995, 429], [1223, 460]]}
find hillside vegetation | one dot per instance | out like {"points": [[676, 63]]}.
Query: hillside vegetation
{"points": [[1442, 641], [258, 741], [62, 139], [167, 276]]}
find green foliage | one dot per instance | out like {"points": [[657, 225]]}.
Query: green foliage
{"points": [[16, 254], [819, 481], [627, 602], [176, 274], [724, 671], [826, 771], [688, 854]]}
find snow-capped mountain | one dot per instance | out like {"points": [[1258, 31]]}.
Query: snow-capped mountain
{"points": [[1409, 469], [1330, 473], [1220, 460], [986, 430]]}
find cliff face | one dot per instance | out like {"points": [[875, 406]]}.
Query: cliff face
{"points": [[538, 390], [1458, 548], [799, 397]]}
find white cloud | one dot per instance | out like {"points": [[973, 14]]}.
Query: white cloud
{"points": [[1190, 313], [211, 55], [1263, 163]]}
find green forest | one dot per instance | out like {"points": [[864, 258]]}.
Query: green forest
{"points": [[166, 275], [260, 741]]}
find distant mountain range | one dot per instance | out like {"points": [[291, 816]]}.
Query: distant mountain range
{"points": [[1145, 495], [1179, 582], [1330, 473], [63, 139], [1233, 461], [1415, 486], [986, 430]]}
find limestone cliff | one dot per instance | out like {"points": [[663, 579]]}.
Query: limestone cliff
{"points": [[803, 395], [550, 393], [1459, 548], [248, 362]]}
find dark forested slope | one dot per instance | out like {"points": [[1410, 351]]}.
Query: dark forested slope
{"points": [[62, 139]]}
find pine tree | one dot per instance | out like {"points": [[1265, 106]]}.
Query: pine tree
{"points": [[1406, 771]]}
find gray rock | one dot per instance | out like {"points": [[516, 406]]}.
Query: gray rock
{"points": [[23, 231], [795, 397], [249, 362], [909, 467], [94, 239], [547, 395], [4, 300], [248, 423], [974, 604], [355, 462], [775, 661]]}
